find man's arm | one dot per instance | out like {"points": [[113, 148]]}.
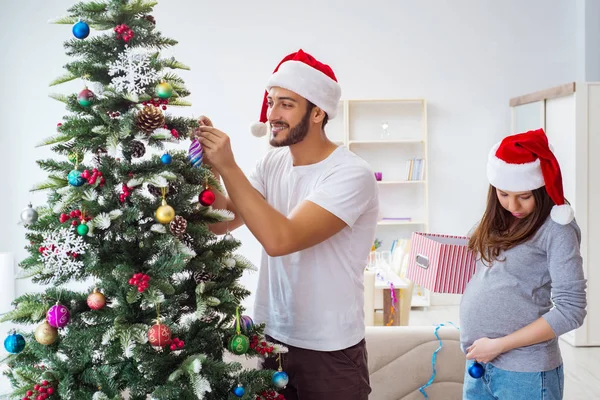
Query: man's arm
{"points": [[307, 225]]}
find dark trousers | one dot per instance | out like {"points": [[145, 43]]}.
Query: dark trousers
{"points": [[320, 375]]}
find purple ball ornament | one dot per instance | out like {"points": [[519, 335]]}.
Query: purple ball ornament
{"points": [[246, 323], [58, 316], [195, 153]]}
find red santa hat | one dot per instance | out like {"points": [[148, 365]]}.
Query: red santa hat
{"points": [[304, 75], [525, 162]]}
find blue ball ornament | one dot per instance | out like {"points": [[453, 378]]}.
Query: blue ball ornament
{"points": [[280, 379], [14, 343], [75, 178], [81, 30], [166, 159], [476, 370], [239, 391]]}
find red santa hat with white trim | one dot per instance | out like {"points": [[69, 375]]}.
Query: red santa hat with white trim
{"points": [[304, 75], [525, 161]]}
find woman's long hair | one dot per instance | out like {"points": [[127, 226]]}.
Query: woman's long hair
{"points": [[498, 231]]}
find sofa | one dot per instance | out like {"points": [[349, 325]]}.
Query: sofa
{"points": [[400, 362]]}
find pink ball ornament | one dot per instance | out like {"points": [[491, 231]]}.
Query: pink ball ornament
{"points": [[58, 316]]}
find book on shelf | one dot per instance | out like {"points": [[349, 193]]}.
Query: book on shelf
{"points": [[415, 169]]}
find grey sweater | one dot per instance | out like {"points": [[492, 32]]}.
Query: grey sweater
{"points": [[542, 277]]}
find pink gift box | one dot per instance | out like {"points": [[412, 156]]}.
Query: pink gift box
{"points": [[440, 263]]}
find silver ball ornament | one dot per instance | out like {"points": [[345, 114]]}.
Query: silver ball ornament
{"points": [[29, 215]]}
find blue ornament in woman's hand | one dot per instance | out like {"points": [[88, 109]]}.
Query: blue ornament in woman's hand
{"points": [[476, 370]]}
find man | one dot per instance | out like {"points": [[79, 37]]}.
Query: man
{"points": [[314, 207]]}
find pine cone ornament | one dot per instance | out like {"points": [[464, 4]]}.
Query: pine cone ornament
{"points": [[186, 239], [137, 149], [178, 225], [150, 118], [209, 318], [156, 191], [150, 18], [201, 276]]}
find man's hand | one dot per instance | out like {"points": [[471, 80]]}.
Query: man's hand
{"points": [[217, 148], [205, 121], [485, 350]]}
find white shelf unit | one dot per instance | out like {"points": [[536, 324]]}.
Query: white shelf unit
{"points": [[569, 115], [359, 126]]}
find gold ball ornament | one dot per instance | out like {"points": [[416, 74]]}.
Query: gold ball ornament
{"points": [[46, 334], [165, 213], [96, 300]]}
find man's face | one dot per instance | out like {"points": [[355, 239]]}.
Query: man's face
{"points": [[288, 116]]}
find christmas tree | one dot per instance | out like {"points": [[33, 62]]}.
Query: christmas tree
{"points": [[163, 305]]}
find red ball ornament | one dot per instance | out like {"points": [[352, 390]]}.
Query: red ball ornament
{"points": [[159, 335], [96, 300], [207, 197]]}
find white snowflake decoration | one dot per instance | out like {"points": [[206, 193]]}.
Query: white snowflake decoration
{"points": [[132, 72], [60, 248]]}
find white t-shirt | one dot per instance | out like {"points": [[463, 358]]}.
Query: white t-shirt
{"points": [[314, 298]]}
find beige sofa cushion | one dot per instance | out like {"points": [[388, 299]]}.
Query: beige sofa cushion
{"points": [[400, 362]]}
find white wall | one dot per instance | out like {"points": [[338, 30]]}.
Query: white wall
{"points": [[466, 57]]}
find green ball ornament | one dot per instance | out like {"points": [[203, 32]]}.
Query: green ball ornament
{"points": [[164, 90], [239, 345], [75, 157], [83, 229]]}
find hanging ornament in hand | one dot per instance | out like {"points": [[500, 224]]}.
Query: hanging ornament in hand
{"points": [[75, 178], [96, 300], [178, 226], [164, 90], [29, 215], [46, 334], [58, 316], [86, 97], [165, 213], [14, 343], [150, 118], [137, 149], [81, 30], [239, 390], [476, 370], [166, 159], [239, 343], [195, 153]]}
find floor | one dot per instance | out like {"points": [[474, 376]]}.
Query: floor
{"points": [[581, 364]]}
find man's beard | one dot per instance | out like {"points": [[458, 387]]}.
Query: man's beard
{"points": [[295, 134]]}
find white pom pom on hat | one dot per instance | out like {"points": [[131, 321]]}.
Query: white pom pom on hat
{"points": [[302, 74]]}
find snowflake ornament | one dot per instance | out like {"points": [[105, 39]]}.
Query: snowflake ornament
{"points": [[132, 72], [60, 250]]}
